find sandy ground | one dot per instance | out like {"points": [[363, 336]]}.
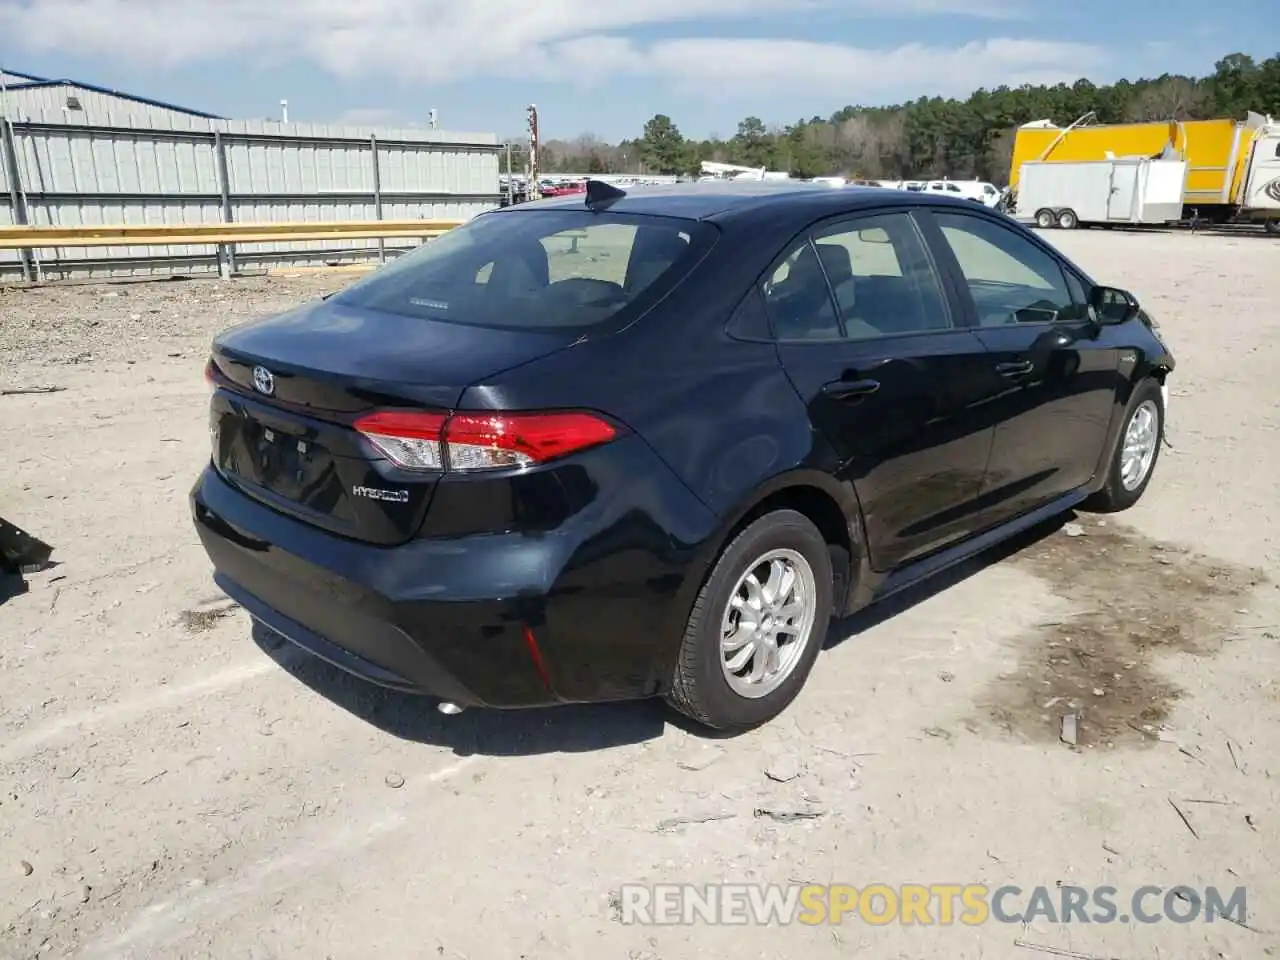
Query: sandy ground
{"points": [[172, 785]]}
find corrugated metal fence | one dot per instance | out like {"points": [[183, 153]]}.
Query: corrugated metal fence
{"points": [[224, 171]]}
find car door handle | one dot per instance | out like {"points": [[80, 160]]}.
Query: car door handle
{"points": [[1015, 368], [844, 389]]}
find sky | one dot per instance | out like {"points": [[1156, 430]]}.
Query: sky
{"points": [[605, 66]]}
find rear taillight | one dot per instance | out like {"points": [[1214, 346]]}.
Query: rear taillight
{"points": [[212, 386], [414, 440], [409, 439], [484, 441]]}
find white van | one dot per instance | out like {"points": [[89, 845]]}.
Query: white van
{"points": [[982, 192]]}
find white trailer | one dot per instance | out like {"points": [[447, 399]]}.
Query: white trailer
{"points": [[1128, 190]]}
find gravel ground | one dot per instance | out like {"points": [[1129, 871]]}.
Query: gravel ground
{"points": [[173, 784], [60, 325]]}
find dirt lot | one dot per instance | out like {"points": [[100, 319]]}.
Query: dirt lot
{"points": [[173, 786]]}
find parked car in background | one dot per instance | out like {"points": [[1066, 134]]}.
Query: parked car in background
{"points": [[564, 189], [842, 182], [980, 191], [644, 444]]}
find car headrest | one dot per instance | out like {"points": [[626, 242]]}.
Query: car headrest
{"points": [[836, 261]]}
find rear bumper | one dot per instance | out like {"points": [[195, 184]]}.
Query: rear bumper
{"points": [[431, 677], [586, 612], [351, 605]]}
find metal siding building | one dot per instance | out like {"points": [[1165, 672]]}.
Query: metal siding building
{"points": [[27, 97], [128, 160], [9, 78], [75, 104]]}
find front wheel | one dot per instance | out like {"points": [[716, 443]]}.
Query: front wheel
{"points": [[1137, 449], [756, 626], [1045, 219]]}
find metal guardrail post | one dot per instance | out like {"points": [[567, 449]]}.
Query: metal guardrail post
{"points": [[9, 150], [377, 196], [226, 251]]}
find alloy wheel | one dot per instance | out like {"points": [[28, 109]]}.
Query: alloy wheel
{"points": [[1139, 450], [767, 623]]}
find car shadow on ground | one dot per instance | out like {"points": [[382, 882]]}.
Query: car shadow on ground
{"points": [[573, 728], [849, 628]]}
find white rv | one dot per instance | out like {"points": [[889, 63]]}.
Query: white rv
{"points": [[733, 171]]}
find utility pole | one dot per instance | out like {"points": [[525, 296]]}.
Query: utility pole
{"points": [[533, 190], [511, 183]]}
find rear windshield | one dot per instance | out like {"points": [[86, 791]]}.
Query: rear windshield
{"points": [[538, 269]]}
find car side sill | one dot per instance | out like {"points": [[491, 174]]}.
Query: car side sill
{"points": [[932, 565]]}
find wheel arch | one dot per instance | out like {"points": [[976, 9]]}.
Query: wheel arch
{"points": [[1156, 367], [830, 505]]}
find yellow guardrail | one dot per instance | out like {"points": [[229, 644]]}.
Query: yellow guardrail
{"points": [[185, 234]]}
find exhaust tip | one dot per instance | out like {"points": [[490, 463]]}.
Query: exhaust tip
{"points": [[449, 709]]}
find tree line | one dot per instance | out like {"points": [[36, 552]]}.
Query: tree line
{"points": [[929, 137]]}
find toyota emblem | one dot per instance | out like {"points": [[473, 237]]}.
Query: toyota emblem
{"points": [[263, 381]]}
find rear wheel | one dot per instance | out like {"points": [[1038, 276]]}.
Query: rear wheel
{"points": [[1045, 219], [756, 626], [1272, 227], [1137, 449], [1068, 220]]}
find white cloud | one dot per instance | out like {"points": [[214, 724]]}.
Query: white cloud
{"points": [[724, 69], [421, 39], [574, 41]]}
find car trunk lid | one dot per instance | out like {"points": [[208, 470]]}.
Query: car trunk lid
{"points": [[288, 389]]}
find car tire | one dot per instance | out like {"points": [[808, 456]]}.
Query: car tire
{"points": [[705, 687], [1068, 220], [1120, 492], [1045, 219]]}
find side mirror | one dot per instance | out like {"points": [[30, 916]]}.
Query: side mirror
{"points": [[1113, 305]]}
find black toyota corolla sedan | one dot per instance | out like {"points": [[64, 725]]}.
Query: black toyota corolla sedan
{"points": [[621, 445]]}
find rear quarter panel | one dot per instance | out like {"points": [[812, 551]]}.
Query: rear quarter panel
{"points": [[720, 414]]}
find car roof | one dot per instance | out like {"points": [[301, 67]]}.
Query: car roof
{"points": [[730, 199]]}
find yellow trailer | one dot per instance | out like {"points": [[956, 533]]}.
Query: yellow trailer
{"points": [[1217, 153]]}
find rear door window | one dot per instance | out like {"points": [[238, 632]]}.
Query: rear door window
{"points": [[882, 277], [860, 279], [798, 298], [544, 269]]}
